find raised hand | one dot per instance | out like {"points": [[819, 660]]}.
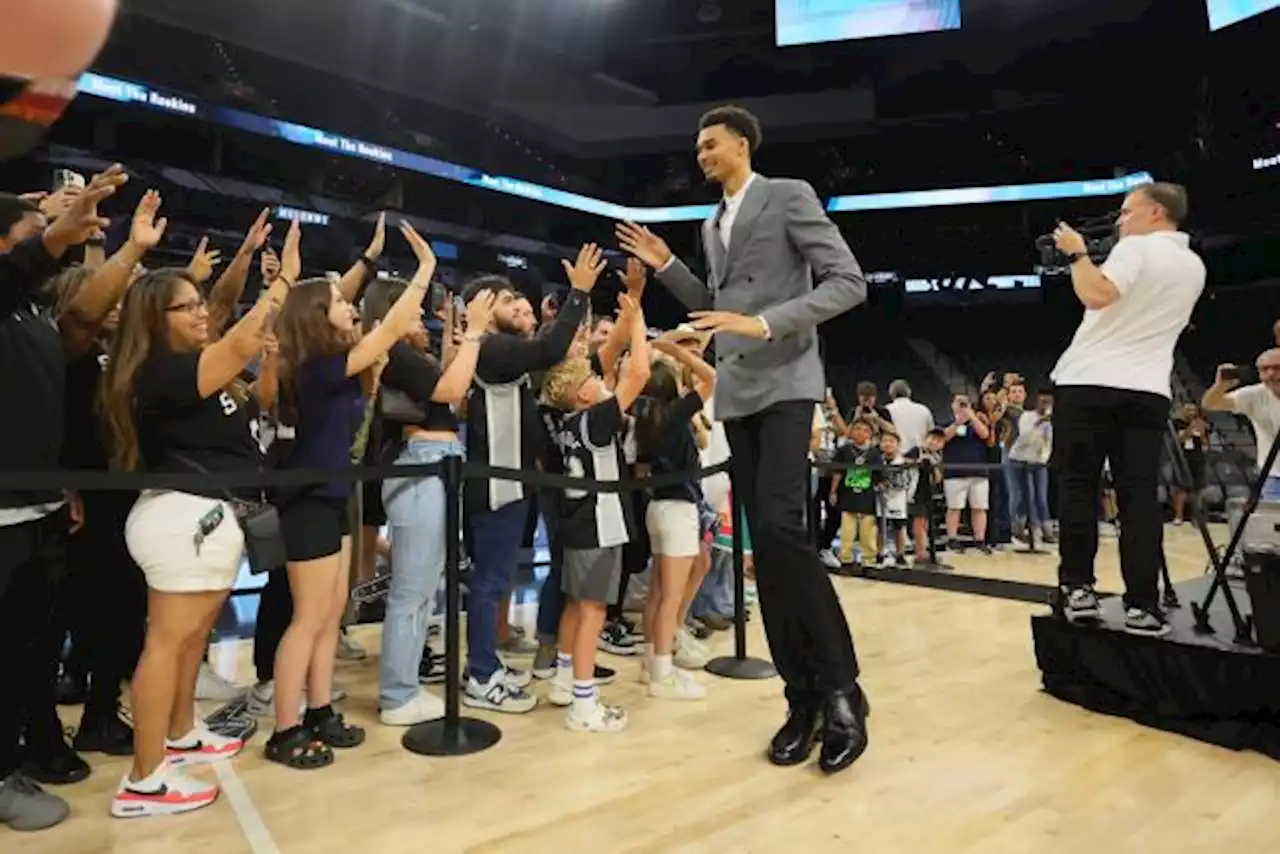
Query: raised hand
{"points": [[585, 272], [204, 262], [146, 229], [640, 242], [379, 240], [480, 310], [256, 237], [630, 313], [269, 264], [634, 278], [291, 255], [422, 251], [81, 220]]}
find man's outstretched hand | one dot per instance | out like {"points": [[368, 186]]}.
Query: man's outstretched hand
{"points": [[729, 323], [642, 243]]}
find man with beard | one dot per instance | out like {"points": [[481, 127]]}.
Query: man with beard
{"points": [[504, 430]]}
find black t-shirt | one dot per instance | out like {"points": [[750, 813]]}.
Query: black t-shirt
{"points": [[588, 444], [924, 484], [218, 433], [417, 376], [856, 492], [677, 451], [330, 409], [84, 443], [1192, 448]]}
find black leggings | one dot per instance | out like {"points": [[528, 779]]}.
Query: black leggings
{"points": [[275, 610], [102, 601]]}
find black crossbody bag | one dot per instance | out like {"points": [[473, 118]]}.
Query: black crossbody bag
{"points": [[260, 522]]}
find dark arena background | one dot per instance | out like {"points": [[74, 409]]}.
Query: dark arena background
{"points": [[944, 139]]}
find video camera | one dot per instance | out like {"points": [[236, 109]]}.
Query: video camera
{"points": [[1100, 238]]}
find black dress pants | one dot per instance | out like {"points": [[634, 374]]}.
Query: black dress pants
{"points": [[1092, 424], [807, 631], [104, 597], [32, 560]]}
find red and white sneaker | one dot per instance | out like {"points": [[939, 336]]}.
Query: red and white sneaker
{"points": [[166, 792], [200, 747]]}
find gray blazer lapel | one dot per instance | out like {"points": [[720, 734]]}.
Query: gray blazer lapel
{"points": [[715, 253], [752, 204]]}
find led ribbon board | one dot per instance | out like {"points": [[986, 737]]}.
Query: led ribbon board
{"points": [[127, 92], [816, 21], [1224, 13]]}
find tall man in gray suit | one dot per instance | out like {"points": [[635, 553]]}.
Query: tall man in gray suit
{"points": [[767, 242]]}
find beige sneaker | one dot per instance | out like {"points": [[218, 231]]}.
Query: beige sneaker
{"points": [[679, 685], [602, 719], [689, 654], [423, 707], [560, 694]]}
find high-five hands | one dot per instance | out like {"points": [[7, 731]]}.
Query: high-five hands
{"points": [[728, 323], [634, 278], [585, 272], [640, 242]]}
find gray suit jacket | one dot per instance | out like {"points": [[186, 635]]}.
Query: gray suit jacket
{"points": [[781, 242]]}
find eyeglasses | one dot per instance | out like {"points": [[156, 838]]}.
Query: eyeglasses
{"points": [[194, 306]]}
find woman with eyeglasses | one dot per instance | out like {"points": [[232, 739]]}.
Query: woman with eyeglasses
{"points": [[327, 369], [173, 402], [416, 506]]}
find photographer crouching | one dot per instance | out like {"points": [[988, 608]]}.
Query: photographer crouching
{"points": [[1114, 395]]}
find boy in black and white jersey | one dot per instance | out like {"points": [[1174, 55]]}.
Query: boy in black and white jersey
{"points": [[587, 428]]}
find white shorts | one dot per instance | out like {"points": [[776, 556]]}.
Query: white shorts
{"points": [[971, 492], [673, 528], [161, 535]]}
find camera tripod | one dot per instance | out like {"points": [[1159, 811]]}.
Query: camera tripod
{"points": [[1243, 625]]}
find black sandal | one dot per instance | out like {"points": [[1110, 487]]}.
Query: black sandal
{"points": [[299, 749], [333, 730]]}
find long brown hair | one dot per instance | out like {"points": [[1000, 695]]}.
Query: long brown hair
{"points": [[303, 326], [143, 330]]}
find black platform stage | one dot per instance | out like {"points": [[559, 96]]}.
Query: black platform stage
{"points": [[1201, 686]]}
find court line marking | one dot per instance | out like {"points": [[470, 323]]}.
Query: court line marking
{"points": [[250, 820]]}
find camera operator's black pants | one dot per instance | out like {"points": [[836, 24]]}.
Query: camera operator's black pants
{"points": [[32, 559], [1092, 424]]}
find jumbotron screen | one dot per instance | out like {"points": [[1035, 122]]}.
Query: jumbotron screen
{"points": [[1224, 13], [815, 21]]}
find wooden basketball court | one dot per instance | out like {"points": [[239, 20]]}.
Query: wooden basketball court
{"points": [[967, 755]]}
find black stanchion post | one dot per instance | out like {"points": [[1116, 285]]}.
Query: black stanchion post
{"points": [[739, 665], [453, 735]]}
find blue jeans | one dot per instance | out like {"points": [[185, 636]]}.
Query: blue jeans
{"points": [[1015, 488], [1271, 489], [715, 596], [416, 515], [1033, 490], [497, 536], [551, 598]]}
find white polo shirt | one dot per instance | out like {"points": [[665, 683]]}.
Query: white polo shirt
{"points": [[912, 421], [1129, 344], [1262, 408]]}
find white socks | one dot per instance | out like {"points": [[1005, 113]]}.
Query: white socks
{"points": [[661, 667], [564, 668], [585, 697]]}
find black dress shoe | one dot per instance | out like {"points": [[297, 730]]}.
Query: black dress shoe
{"points": [[104, 734], [71, 690], [53, 763], [794, 742], [844, 729]]}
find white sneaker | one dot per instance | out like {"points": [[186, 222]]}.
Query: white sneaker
{"points": [[516, 678], [679, 685], [349, 649], [261, 700], [200, 747], [175, 793], [601, 719], [212, 687], [423, 707], [560, 693], [829, 560], [689, 653], [498, 695]]}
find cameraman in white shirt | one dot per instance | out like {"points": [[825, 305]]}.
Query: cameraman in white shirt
{"points": [[1114, 395], [1260, 403]]}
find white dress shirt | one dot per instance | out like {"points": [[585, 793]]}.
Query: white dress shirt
{"points": [[731, 206]]}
